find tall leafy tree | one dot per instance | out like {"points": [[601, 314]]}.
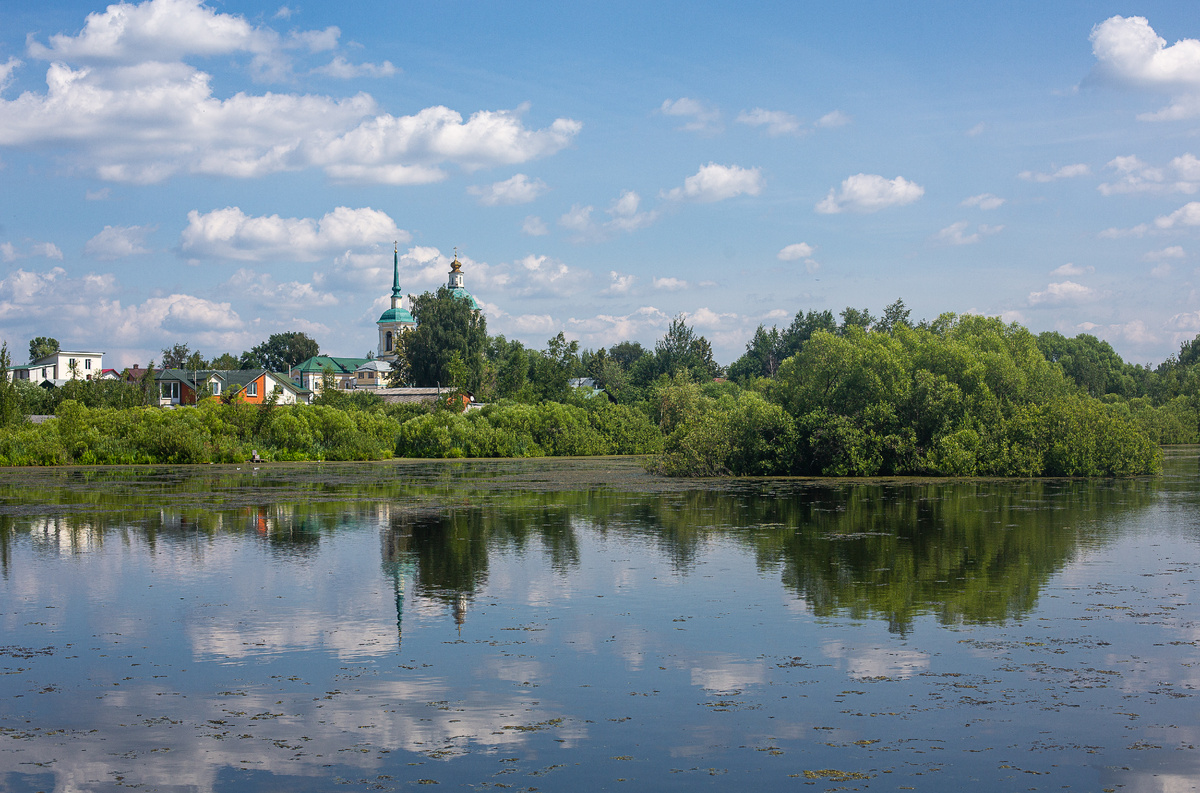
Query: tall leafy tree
{"points": [[551, 370], [680, 348], [281, 351], [446, 324], [894, 316], [42, 346], [225, 362], [181, 356], [854, 318]]}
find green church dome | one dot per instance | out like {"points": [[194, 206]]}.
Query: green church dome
{"points": [[395, 315], [463, 294]]}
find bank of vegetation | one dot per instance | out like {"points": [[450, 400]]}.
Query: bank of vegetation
{"points": [[863, 396]]}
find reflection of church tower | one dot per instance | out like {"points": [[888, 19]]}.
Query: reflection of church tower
{"points": [[398, 563], [395, 320], [455, 283]]}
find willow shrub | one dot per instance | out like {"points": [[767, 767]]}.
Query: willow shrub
{"points": [[209, 433], [524, 430], [967, 396]]}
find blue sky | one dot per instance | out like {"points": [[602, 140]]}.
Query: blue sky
{"points": [[214, 173]]}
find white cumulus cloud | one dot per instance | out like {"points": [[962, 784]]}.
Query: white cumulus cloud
{"points": [[984, 201], [1182, 175], [833, 119], [797, 250], [957, 233], [518, 189], [6, 70], [670, 284], [232, 234], [122, 104], [777, 122], [158, 30], [343, 69], [1062, 292], [578, 219], [1128, 51], [1066, 172], [608, 329], [543, 275], [1186, 215], [619, 283], [534, 226], [715, 182], [32, 249], [117, 242], [625, 214], [1171, 252], [870, 193], [265, 291], [701, 117]]}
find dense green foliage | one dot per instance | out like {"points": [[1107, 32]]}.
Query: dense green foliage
{"points": [[41, 346], [961, 396], [446, 348], [863, 396], [522, 430], [280, 352], [211, 432]]}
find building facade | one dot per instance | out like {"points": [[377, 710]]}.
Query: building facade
{"points": [[396, 320], [60, 366]]}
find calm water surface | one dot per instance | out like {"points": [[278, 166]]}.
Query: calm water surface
{"points": [[580, 624]]}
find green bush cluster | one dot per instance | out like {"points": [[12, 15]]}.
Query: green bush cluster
{"points": [[511, 429], [209, 433], [963, 396]]}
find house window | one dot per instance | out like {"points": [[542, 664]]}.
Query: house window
{"points": [[43, 373], [71, 364], [170, 390], [216, 389], [252, 388], [87, 363]]}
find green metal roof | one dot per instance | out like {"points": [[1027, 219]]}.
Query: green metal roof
{"points": [[318, 363], [462, 294], [395, 315]]}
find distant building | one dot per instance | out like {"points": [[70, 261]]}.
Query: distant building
{"points": [[372, 375], [180, 386], [60, 366], [310, 374], [395, 320], [455, 283]]}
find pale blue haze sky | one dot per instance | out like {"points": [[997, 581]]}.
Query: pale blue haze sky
{"points": [[213, 173]]}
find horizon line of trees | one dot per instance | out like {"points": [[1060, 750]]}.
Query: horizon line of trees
{"points": [[846, 395], [450, 347]]}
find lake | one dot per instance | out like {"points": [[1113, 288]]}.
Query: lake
{"points": [[581, 624]]}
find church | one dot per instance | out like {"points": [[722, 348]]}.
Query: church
{"points": [[397, 319], [372, 373]]}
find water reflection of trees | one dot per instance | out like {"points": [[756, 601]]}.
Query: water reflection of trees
{"points": [[963, 552]]}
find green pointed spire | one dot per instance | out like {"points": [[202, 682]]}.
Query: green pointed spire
{"points": [[396, 271]]}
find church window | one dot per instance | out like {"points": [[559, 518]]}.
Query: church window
{"points": [[388, 342]]}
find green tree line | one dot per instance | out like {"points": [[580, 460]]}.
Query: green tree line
{"points": [[963, 396], [853, 395]]}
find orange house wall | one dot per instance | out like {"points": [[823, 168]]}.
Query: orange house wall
{"points": [[260, 382]]}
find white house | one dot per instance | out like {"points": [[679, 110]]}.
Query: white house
{"points": [[61, 365]]}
